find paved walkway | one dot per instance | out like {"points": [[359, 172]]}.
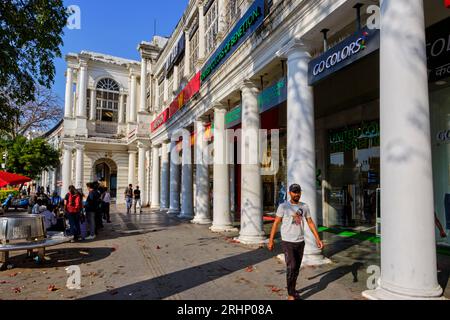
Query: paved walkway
{"points": [[155, 256]]}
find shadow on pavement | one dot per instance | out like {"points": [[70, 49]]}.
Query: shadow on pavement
{"points": [[180, 281]]}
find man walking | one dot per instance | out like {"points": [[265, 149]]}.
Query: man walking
{"points": [[129, 198], [137, 200], [292, 215], [91, 208]]}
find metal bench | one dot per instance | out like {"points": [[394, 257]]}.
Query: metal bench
{"points": [[21, 232]]}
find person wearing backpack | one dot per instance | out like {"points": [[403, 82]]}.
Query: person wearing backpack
{"points": [[72, 207], [91, 208]]}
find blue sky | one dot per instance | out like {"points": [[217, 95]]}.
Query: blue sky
{"points": [[116, 27]]}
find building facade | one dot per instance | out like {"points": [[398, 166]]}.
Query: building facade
{"points": [[356, 114]]}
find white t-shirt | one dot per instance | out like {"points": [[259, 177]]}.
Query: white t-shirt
{"points": [[294, 221], [49, 219]]}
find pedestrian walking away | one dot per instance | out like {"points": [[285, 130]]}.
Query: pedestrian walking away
{"points": [[91, 207], [137, 199], [292, 215], [129, 198]]}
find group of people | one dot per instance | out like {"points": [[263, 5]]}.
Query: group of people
{"points": [[131, 195], [94, 208]]}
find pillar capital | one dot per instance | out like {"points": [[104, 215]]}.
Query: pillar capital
{"points": [[79, 146], [219, 107], [132, 152], [143, 145], [249, 84], [68, 147], [297, 48]]}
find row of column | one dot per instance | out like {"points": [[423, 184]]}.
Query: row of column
{"points": [[408, 248], [67, 167]]}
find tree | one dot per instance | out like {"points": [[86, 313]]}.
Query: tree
{"points": [[30, 39], [29, 157], [39, 115]]}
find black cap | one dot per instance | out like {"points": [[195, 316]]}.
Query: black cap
{"points": [[295, 188]]}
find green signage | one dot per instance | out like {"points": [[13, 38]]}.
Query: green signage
{"points": [[249, 22], [363, 136]]}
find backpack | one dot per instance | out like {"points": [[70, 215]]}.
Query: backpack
{"points": [[74, 203]]}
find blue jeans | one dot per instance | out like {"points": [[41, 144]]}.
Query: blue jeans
{"points": [[74, 221], [129, 202], [90, 216]]}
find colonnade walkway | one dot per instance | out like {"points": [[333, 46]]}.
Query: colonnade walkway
{"points": [[157, 256]]}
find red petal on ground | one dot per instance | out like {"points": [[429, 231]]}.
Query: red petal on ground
{"points": [[249, 269], [158, 247], [16, 290], [13, 274], [52, 287]]}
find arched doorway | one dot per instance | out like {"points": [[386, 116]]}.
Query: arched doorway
{"points": [[105, 172]]}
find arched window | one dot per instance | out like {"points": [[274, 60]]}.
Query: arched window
{"points": [[107, 100]]}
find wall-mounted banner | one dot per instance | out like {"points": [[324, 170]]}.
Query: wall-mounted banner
{"points": [[183, 97], [160, 120], [251, 20], [438, 50], [355, 47], [176, 53]]}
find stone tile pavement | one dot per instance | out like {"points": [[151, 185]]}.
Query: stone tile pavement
{"points": [[157, 256]]}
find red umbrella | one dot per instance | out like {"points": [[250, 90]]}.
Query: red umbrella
{"points": [[7, 178]]}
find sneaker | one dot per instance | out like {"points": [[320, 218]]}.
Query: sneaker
{"points": [[90, 237]]}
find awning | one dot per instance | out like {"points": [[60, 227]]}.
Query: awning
{"points": [[13, 179]]}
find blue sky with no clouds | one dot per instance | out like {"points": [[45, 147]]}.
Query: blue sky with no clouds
{"points": [[116, 27]]}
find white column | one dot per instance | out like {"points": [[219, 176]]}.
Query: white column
{"points": [[132, 167], [165, 176], [148, 177], [408, 246], [201, 35], [301, 152], [187, 56], [221, 187], [187, 210], [121, 116], [69, 94], [202, 208], [222, 12], [66, 169], [93, 105], [81, 111], [175, 79], [251, 187], [165, 83], [79, 164], [143, 96], [142, 149], [174, 179], [133, 115], [155, 203]]}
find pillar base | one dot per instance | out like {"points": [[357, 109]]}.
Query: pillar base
{"points": [[186, 216], [173, 211], [155, 207], [201, 220], [315, 260], [383, 294], [223, 229], [308, 260], [252, 240], [163, 209]]}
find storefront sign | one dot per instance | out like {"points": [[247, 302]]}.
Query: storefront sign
{"points": [[176, 53], [273, 95], [359, 137], [268, 99], [443, 136], [361, 44], [438, 50], [251, 20]]}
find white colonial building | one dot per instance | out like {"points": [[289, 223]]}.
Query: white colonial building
{"points": [[351, 112]]}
